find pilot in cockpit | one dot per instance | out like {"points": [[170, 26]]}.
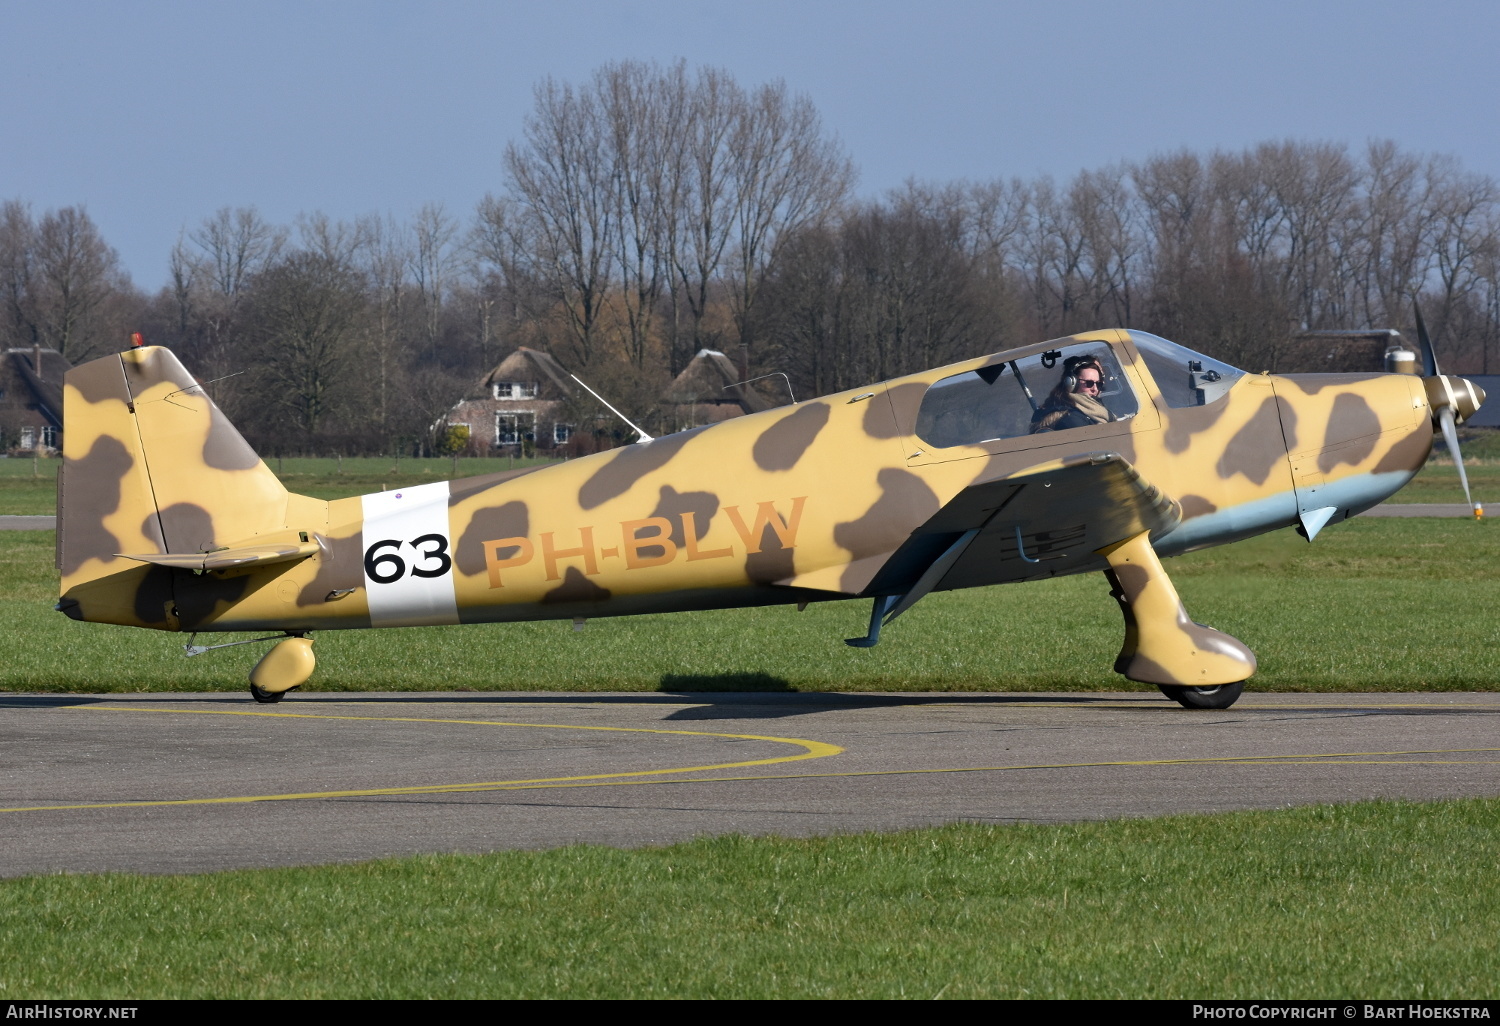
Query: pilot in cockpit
{"points": [[1074, 402]]}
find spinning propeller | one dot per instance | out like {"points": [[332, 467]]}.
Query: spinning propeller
{"points": [[1453, 400]]}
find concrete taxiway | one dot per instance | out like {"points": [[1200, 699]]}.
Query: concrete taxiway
{"points": [[170, 783]]}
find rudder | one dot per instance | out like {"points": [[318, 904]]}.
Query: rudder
{"points": [[151, 466]]}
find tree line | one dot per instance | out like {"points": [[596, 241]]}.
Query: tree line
{"points": [[651, 211]]}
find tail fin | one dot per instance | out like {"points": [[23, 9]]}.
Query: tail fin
{"points": [[150, 466]]}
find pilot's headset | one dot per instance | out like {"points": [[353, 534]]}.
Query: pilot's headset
{"points": [[1071, 367]]}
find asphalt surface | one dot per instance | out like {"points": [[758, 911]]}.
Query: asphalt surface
{"points": [[1429, 509], [188, 783], [10, 522]]}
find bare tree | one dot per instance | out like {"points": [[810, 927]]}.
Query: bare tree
{"points": [[705, 220], [561, 178], [646, 110], [785, 174], [76, 275], [306, 309], [433, 262], [385, 255], [17, 268], [235, 245]]}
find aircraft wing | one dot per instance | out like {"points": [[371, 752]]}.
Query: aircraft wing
{"points": [[1043, 522]]}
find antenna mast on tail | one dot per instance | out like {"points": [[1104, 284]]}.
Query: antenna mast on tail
{"points": [[644, 437]]}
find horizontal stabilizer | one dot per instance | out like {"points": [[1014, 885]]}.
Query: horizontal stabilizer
{"points": [[228, 559]]}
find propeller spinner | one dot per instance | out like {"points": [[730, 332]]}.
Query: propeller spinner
{"points": [[1453, 400]]}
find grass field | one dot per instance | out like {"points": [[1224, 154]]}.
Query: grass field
{"points": [[1374, 900], [30, 487], [1372, 605]]}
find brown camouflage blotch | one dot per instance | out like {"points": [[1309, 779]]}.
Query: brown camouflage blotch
{"points": [[1288, 424], [905, 503], [1312, 384], [100, 381], [340, 567], [461, 489], [153, 596], [1131, 580], [897, 414], [1406, 455], [200, 597], [93, 494], [629, 465], [188, 527], [511, 520], [151, 528], [575, 588], [152, 365], [1352, 420], [781, 445], [1195, 506], [224, 448], [1184, 423], [1138, 668], [1258, 446], [772, 563], [672, 504]]}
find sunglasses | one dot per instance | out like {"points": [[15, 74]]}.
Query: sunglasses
{"points": [[1086, 383]]}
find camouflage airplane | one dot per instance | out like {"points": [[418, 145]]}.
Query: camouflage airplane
{"points": [[1098, 452]]}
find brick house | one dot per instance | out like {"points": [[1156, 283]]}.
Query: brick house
{"points": [[707, 392], [518, 405], [31, 384]]}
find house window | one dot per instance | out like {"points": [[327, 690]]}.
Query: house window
{"points": [[49, 437], [561, 433], [514, 428], [28, 438], [515, 389]]}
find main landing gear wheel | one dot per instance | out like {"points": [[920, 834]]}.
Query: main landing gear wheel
{"points": [[1219, 697], [260, 694]]}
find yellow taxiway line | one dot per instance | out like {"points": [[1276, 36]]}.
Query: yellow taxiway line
{"points": [[811, 750]]}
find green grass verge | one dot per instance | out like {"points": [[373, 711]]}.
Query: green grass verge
{"points": [[1373, 900], [1438, 482], [28, 489], [1372, 605]]}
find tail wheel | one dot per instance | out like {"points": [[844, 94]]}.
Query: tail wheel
{"points": [[260, 694], [1220, 697]]}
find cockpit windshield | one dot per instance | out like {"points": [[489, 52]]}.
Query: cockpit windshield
{"points": [[1077, 386], [1185, 378]]}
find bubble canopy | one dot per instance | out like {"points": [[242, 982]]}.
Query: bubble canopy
{"points": [[1185, 377]]}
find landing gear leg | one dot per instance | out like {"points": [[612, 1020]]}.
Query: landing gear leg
{"points": [[287, 665], [1196, 666]]}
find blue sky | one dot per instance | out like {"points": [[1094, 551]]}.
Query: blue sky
{"points": [[156, 114]]}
